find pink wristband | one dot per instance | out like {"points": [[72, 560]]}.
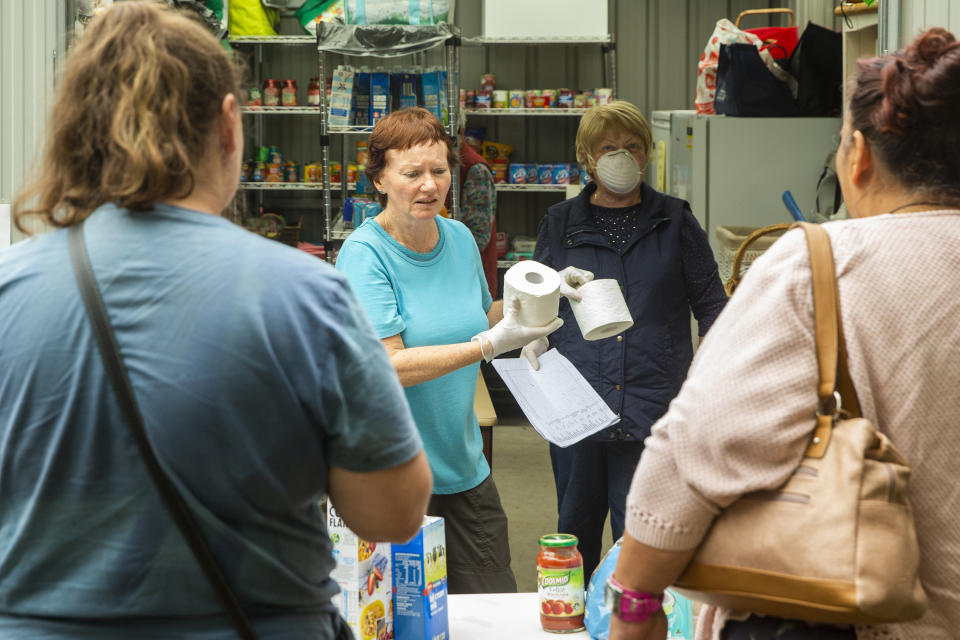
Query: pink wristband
{"points": [[629, 605]]}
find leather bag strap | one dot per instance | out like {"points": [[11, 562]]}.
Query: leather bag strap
{"points": [[834, 375], [128, 404]]}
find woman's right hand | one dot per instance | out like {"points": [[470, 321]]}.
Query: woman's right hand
{"points": [[509, 334], [534, 350], [570, 279]]}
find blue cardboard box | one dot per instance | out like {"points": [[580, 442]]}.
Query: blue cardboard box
{"points": [[420, 584]]}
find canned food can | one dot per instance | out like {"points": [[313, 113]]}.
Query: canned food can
{"points": [[500, 99], [518, 173], [517, 99], [545, 173], [604, 96]]}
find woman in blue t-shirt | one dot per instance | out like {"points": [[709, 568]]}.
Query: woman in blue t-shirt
{"points": [[419, 277]]}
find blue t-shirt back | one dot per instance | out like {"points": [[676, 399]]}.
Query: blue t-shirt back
{"points": [[255, 369], [434, 298]]}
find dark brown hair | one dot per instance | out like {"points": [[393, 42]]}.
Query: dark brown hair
{"points": [[134, 113], [401, 130], [906, 104]]}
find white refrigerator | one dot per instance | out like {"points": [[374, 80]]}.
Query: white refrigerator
{"points": [[742, 166]]}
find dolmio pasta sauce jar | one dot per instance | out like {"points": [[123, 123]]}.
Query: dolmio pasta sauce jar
{"points": [[560, 583]]}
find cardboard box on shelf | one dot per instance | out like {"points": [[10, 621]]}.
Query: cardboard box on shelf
{"points": [[420, 584], [364, 575]]}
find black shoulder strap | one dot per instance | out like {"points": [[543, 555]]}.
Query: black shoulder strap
{"points": [[128, 404]]}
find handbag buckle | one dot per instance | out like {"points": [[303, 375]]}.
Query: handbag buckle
{"points": [[830, 406]]}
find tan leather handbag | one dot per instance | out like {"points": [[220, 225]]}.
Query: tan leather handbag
{"points": [[836, 543]]}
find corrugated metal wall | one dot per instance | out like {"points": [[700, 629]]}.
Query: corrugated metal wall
{"points": [[917, 15], [31, 48]]}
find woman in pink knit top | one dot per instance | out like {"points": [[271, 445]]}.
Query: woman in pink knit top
{"points": [[742, 420]]}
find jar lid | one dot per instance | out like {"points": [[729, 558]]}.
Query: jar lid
{"points": [[558, 540]]}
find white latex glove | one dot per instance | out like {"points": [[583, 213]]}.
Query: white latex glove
{"points": [[570, 279], [534, 350], [509, 334]]}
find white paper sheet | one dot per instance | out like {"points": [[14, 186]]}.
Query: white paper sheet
{"points": [[557, 400]]}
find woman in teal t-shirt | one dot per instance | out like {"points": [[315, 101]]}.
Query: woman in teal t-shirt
{"points": [[420, 280]]}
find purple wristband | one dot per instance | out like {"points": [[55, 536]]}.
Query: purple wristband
{"points": [[629, 605]]}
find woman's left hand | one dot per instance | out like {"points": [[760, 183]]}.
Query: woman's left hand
{"points": [[653, 628]]}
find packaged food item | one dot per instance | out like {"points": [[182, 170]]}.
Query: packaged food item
{"points": [[361, 152], [604, 96], [313, 92], [360, 115], [518, 174], [484, 99], [471, 99], [274, 156], [529, 98], [365, 578], [574, 173], [432, 95], [351, 173], [561, 174], [500, 169], [311, 173], [271, 93], [259, 172], [533, 177], [288, 93], [500, 98], [263, 154], [291, 171], [254, 97], [420, 584], [379, 96], [541, 102], [551, 97], [560, 583], [474, 137], [565, 99], [336, 171], [404, 90], [581, 100], [493, 150], [500, 237], [517, 99], [488, 82], [341, 96], [246, 171], [545, 173], [274, 172]]}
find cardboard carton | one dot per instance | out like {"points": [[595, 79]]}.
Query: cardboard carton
{"points": [[364, 575], [420, 584]]}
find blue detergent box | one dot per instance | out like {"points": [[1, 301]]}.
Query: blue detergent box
{"points": [[420, 584]]}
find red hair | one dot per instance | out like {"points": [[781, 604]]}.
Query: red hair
{"points": [[402, 130]]}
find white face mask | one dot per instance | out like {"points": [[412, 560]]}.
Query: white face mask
{"points": [[619, 171]]}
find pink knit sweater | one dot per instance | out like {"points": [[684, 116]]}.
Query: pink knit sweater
{"points": [[742, 419]]}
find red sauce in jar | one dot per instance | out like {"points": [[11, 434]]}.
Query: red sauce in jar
{"points": [[560, 583]]}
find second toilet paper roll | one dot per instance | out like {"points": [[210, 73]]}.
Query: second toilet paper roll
{"points": [[602, 312], [537, 286]]}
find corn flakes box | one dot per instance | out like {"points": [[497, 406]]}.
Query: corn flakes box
{"points": [[420, 584], [364, 575]]}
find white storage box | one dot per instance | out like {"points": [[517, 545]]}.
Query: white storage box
{"points": [[545, 19]]}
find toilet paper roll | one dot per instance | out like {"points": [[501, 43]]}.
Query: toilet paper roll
{"points": [[537, 286], [602, 312]]}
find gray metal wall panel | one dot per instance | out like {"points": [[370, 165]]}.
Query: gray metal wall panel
{"points": [[917, 15], [29, 39]]}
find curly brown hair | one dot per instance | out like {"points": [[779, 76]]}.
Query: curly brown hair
{"points": [[906, 104], [132, 117]]}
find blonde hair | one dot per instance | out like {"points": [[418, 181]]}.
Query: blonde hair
{"points": [[600, 120], [133, 115]]}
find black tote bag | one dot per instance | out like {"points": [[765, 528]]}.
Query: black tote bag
{"points": [[746, 87]]}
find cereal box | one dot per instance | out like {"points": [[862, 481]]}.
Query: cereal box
{"points": [[420, 584], [364, 576]]}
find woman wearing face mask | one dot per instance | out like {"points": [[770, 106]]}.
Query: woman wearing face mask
{"points": [[620, 228]]}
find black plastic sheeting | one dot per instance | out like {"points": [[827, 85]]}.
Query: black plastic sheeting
{"points": [[382, 41]]}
